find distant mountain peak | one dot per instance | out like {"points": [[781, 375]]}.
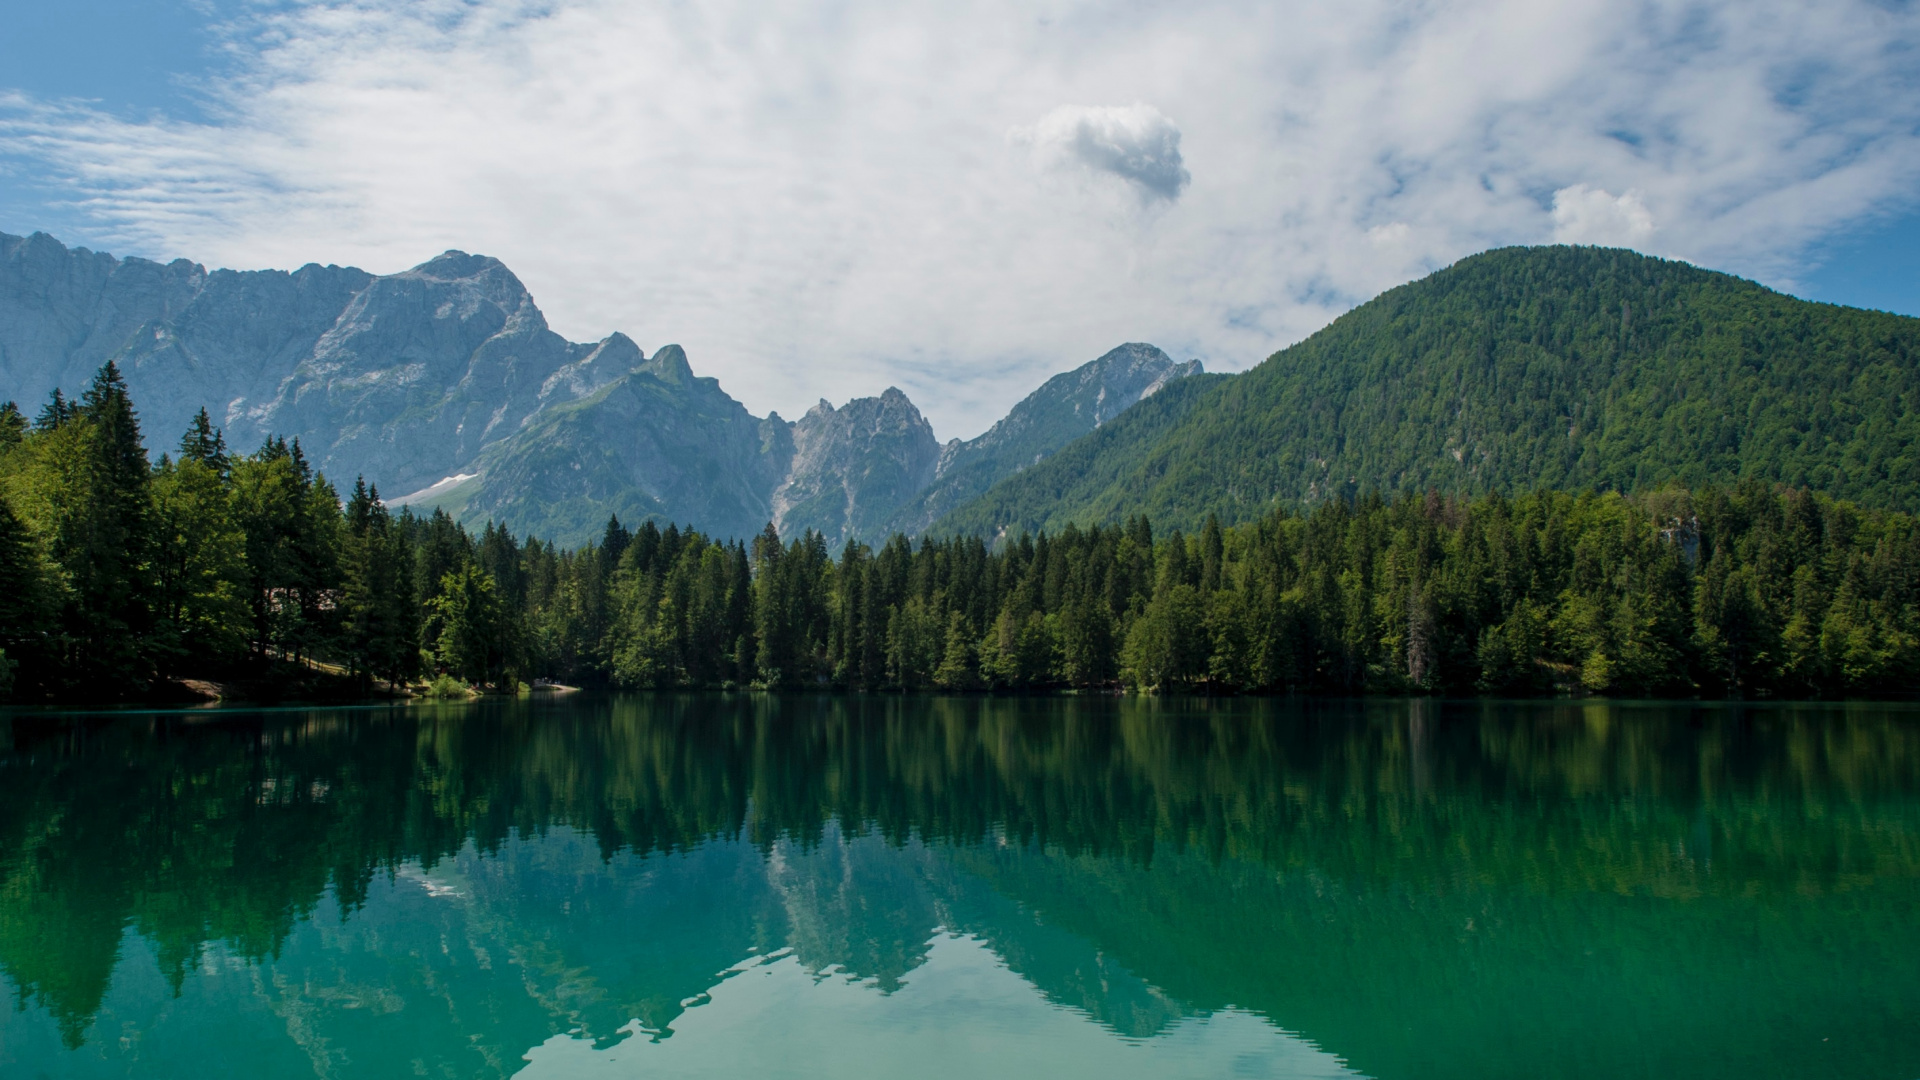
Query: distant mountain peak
{"points": [[606, 361], [669, 365], [853, 466], [452, 265]]}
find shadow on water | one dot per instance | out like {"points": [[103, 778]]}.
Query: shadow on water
{"points": [[1421, 888]]}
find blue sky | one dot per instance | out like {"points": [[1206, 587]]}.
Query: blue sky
{"points": [[121, 52], [827, 198]]}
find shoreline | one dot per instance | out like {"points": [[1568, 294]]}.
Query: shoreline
{"points": [[210, 706]]}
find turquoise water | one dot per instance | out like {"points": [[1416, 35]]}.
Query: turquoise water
{"points": [[872, 886]]}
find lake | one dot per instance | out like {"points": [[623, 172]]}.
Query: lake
{"points": [[839, 886]]}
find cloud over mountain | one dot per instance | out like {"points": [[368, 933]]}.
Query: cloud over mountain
{"points": [[822, 198], [1585, 215]]}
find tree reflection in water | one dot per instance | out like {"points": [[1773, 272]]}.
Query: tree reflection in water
{"points": [[1423, 888]]}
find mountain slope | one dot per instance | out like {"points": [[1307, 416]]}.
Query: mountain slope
{"points": [[1517, 368], [656, 442], [1065, 407]]}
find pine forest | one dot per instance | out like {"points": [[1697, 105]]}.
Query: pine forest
{"points": [[118, 577]]}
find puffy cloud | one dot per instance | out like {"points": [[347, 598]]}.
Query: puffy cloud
{"points": [[821, 198], [1587, 215], [1136, 143]]}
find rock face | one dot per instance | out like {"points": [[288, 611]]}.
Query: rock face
{"points": [[420, 372], [400, 378], [853, 467], [444, 382], [655, 442]]}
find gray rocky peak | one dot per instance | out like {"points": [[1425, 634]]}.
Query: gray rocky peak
{"points": [[670, 365], [676, 448], [598, 365], [402, 378], [854, 466]]}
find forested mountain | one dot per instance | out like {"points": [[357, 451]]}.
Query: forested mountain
{"points": [[443, 385], [1518, 369]]}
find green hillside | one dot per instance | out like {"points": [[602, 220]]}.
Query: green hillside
{"points": [[1521, 368]]}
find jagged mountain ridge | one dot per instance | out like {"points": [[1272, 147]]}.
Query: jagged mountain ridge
{"points": [[446, 383], [659, 442], [854, 466], [404, 377], [655, 442]]}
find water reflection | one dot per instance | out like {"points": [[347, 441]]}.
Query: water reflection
{"points": [[1411, 889]]}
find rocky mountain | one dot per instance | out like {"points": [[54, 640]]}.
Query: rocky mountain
{"points": [[663, 443], [655, 442], [853, 467], [444, 382], [1572, 368], [403, 378]]}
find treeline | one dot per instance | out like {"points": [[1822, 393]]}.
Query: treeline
{"points": [[115, 573], [1742, 592]]}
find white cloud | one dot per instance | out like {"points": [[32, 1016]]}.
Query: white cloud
{"points": [[1135, 143], [1586, 215], [1392, 234], [820, 198]]}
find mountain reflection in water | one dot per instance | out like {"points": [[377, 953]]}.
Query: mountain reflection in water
{"points": [[869, 885]]}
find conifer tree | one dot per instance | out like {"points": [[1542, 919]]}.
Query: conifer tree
{"points": [[25, 599], [199, 567], [104, 544], [269, 503], [57, 411], [205, 444], [469, 628], [13, 426]]}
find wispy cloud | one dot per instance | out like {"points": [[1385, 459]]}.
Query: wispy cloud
{"points": [[823, 197]]}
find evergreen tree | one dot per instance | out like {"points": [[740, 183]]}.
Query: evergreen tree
{"points": [[26, 597], [205, 444], [57, 411], [13, 427], [379, 629], [270, 503], [200, 572], [472, 639], [613, 543], [95, 507]]}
